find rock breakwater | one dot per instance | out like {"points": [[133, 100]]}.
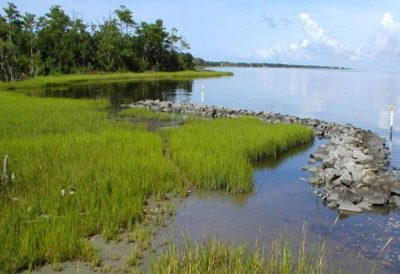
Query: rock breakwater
{"points": [[351, 172]]}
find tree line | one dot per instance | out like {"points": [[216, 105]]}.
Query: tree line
{"points": [[58, 44], [203, 63]]}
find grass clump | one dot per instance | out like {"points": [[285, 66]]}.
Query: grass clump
{"points": [[218, 154], [142, 235], [134, 258], [218, 257], [146, 114]]}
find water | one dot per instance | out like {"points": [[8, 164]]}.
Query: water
{"points": [[282, 202], [360, 98]]}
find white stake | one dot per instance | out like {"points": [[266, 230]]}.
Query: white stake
{"points": [[202, 94], [391, 121]]}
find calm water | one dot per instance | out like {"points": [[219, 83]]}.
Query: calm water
{"points": [[282, 202], [360, 98]]}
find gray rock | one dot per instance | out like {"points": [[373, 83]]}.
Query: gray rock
{"points": [[395, 199], [333, 197], [341, 152], [328, 163], [358, 175], [349, 196], [396, 188], [155, 107], [346, 178], [361, 158], [334, 184], [364, 205], [332, 204], [375, 194], [317, 156], [331, 174], [311, 161], [313, 169], [347, 206], [369, 179]]}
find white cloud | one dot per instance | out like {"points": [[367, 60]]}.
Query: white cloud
{"points": [[304, 43], [320, 36], [282, 52], [386, 44], [388, 22], [318, 44]]}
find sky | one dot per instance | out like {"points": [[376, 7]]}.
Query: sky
{"points": [[358, 34]]}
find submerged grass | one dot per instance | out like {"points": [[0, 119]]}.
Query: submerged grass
{"points": [[62, 80], [218, 154], [218, 257], [79, 173]]}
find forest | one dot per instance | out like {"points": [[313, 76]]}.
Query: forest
{"points": [[55, 43]]}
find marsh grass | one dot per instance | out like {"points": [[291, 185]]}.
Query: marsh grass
{"points": [[79, 173], [72, 79], [147, 114], [134, 257], [142, 235], [218, 257], [105, 169], [218, 154]]}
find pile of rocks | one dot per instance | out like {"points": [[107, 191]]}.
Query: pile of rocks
{"points": [[353, 174]]}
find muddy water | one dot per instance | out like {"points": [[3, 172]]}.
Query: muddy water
{"points": [[281, 204]]}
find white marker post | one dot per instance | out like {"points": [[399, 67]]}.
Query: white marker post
{"points": [[391, 121], [202, 94]]}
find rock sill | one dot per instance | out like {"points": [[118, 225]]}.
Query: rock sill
{"points": [[353, 173]]}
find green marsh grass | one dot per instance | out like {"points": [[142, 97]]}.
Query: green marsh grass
{"points": [[218, 154], [147, 114], [70, 79], [78, 173], [218, 257], [56, 144]]}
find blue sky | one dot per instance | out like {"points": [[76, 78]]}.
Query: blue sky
{"points": [[358, 34]]}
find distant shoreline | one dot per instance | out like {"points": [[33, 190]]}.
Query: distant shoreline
{"points": [[71, 79], [268, 65]]}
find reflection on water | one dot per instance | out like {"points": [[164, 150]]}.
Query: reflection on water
{"points": [[127, 92], [273, 163]]}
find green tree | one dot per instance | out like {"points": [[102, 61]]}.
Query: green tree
{"points": [[109, 45], [29, 43], [153, 44], [54, 43], [125, 18], [8, 59], [51, 39], [14, 23]]}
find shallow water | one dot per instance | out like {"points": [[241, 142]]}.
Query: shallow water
{"points": [[282, 203]]}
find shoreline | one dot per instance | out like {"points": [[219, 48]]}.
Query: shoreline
{"points": [[102, 77], [351, 172]]}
